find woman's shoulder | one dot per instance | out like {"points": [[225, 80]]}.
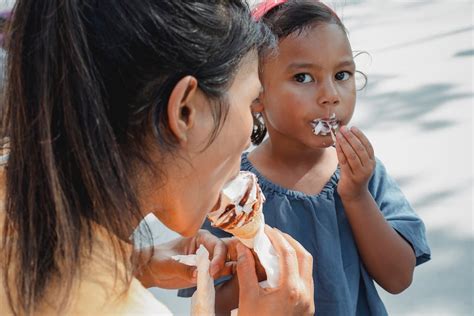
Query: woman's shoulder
{"points": [[101, 287], [96, 298], [103, 282]]}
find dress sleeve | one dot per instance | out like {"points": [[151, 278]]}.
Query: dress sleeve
{"points": [[398, 212], [219, 233]]}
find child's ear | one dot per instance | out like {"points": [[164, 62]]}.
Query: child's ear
{"points": [[182, 108]]}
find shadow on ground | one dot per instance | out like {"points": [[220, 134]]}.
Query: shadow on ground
{"points": [[443, 278], [395, 107]]}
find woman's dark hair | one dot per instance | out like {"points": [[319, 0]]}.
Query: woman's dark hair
{"points": [[285, 19], [87, 84]]}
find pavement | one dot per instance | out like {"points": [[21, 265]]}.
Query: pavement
{"points": [[417, 110]]}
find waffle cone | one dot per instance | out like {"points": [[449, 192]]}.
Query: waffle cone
{"points": [[250, 229]]}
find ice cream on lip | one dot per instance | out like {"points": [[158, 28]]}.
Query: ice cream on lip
{"points": [[240, 207], [326, 126]]}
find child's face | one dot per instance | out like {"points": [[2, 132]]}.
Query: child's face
{"points": [[311, 77]]}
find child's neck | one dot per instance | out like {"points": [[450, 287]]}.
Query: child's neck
{"points": [[292, 154], [294, 167]]}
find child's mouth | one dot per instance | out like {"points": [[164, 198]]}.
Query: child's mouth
{"points": [[326, 126]]}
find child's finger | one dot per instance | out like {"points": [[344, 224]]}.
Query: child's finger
{"points": [[352, 157], [357, 146], [340, 154], [343, 164], [364, 140]]}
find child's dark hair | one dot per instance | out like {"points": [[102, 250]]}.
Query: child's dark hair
{"points": [[87, 85], [283, 20]]}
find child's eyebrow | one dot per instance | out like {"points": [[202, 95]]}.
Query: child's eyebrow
{"points": [[304, 65], [299, 65], [349, 63]]}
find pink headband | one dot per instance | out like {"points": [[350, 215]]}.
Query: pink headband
{"points": [[263, 7]]}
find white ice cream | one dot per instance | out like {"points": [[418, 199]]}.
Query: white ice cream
{"points": [[324, 127], [233, 193]]}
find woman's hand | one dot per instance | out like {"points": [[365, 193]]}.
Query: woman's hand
{"points": [[159, 269], [356, 161], [293, 296]]}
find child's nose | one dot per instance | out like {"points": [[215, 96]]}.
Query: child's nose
{"points": [[328, 94]]}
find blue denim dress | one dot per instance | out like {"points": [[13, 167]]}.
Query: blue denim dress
{"points": [[342, 285]]}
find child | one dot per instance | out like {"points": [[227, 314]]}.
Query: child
{"points": [[338, 202]]}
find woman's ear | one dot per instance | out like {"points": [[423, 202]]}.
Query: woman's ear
{"points": [[182, 108], [257, 105]]}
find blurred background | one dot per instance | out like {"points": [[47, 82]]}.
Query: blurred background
{"points": [[417, 110]]}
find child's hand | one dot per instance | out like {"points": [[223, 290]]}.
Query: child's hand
{"points": [[357, 162]]}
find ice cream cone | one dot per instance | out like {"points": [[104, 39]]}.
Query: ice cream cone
{"points": [[240, 210]]}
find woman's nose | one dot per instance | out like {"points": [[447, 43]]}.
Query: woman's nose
{"points": [[328, 94]]}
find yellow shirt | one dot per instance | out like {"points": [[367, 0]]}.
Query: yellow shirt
{"points": [[98, 292]]}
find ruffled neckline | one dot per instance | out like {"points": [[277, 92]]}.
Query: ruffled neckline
{"points": [[328, 188]]}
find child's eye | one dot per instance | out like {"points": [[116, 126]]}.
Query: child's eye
{"points": [[343, 75], [303, 78]]}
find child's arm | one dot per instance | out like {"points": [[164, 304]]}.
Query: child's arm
{"points": [[388, 257]]}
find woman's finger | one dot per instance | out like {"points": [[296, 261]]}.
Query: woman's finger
{"points": [[217, 251], [231, 244], [171, 268], [305, 259], [287, 257], [218, 259], [248, 282]]}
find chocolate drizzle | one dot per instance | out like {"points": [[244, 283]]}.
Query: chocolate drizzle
{"points": [[247, 193], [228, 208], [230, 217]]}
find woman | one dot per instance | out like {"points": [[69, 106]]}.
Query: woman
{"points": [[115, 110]]}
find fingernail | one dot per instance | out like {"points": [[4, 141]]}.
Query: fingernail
{"points": [[195, 274], [354, 129]]}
